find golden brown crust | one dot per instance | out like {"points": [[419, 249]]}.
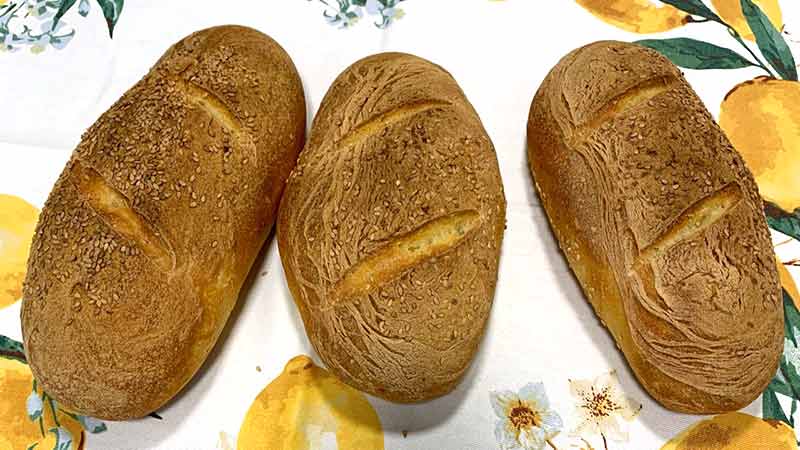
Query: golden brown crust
{"points": [[661, 222], [390, 229], [149, 233]]}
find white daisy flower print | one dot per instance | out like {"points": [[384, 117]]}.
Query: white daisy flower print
{"points": [[599, 403], [525, 418]]}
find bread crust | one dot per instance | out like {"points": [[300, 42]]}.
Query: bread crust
{"points": [[151, 229], [661, 222], [391, 226]]}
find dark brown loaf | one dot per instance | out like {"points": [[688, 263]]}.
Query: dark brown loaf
{"points": [[390, 229], [662, 224], [150, 231]]}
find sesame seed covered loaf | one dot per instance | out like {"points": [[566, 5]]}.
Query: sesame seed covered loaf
{"points": [[151, 229], [661, 221], [390, 229]]}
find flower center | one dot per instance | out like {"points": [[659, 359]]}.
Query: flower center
{"points": [[599, 404], [523, 417]]}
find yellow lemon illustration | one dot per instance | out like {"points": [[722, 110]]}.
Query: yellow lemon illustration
{"points": [[17, 431], [762, 119], [17, 223], [638, 16], [304, 403], [734, 431], [731, 12]]}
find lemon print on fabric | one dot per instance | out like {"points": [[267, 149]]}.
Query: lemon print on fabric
{"points": [[731, 12], [17, 223], [734, 431], [638, 16], [762, 119], [17, 430], [302, 405]]}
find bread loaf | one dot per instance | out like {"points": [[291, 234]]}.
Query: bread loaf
{"points": [[390, 229], [661, 222], [149, 232]]}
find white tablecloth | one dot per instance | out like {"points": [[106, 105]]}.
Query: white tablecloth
{"points": [[542, 329]]}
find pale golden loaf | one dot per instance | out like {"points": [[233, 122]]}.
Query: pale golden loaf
{"points": [[147, 237], [661, 222], [390, 229]]}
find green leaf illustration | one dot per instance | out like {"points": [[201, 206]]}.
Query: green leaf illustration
{"points": [[770, 41], [62, 9], [787, 381], [771, 408], [694, 54], [11, 349], [779, 384], [83, 8], [111, 10], [780, 220], [788, 371], [695, 8]]}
